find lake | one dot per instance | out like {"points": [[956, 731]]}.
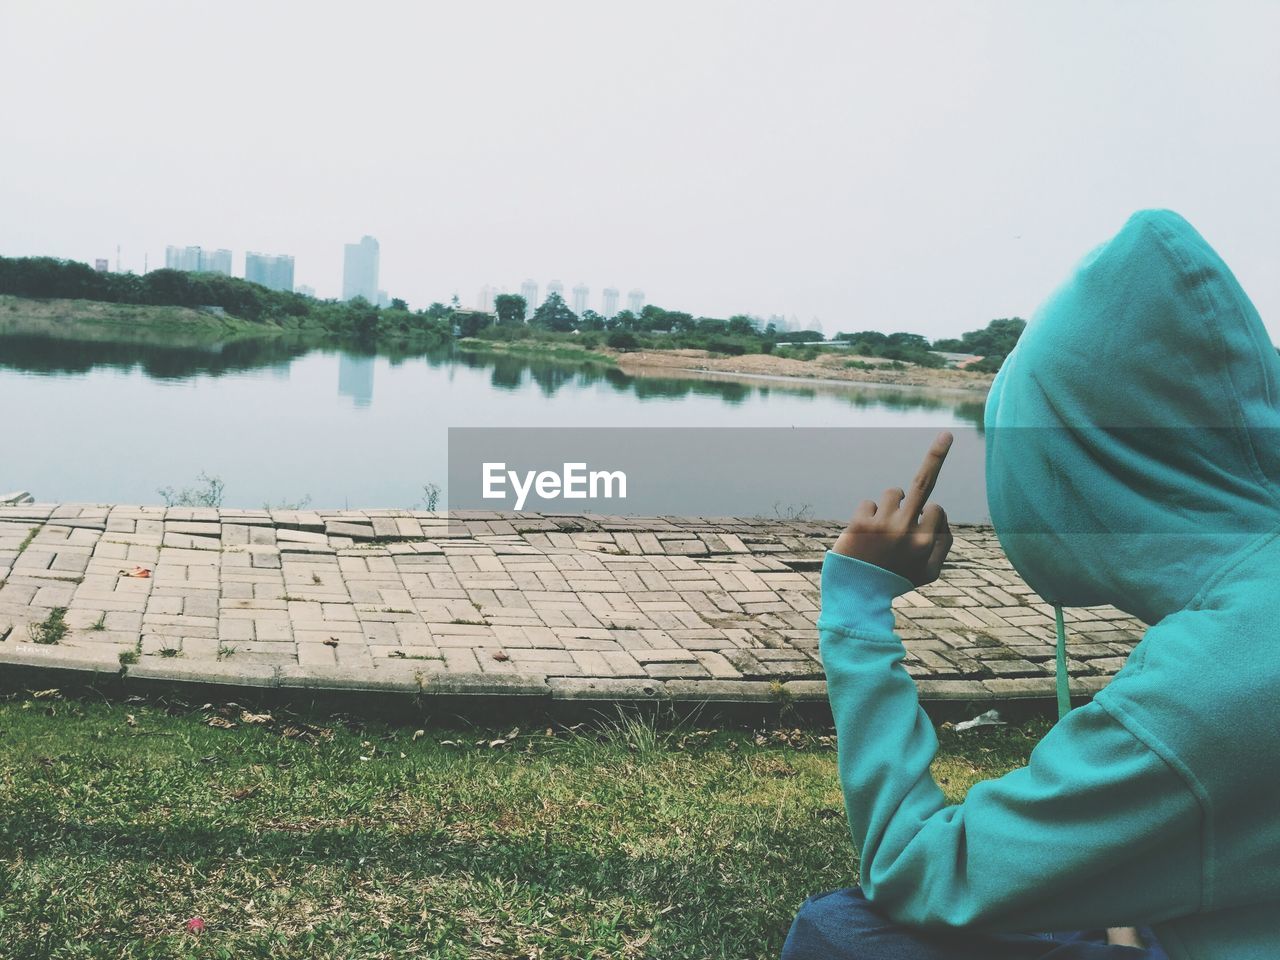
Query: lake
{"points": [[280, 423]]}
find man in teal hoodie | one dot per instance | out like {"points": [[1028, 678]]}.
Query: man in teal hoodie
{"points": [[1133, 459]]}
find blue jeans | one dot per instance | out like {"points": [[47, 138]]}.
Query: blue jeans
{"points": [[843, 925]]}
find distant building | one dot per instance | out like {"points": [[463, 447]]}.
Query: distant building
{"points": [[360, 270], [610, 301], [273, 272], [102, 266], [635, 301], [529, 290], [306, 291], [198, 260], [556, 287], [384, 299], [580, 294], [484, 299]]}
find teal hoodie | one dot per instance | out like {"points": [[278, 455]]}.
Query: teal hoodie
{"points": [[1132, 459]]}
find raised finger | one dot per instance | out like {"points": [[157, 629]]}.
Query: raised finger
{"points": [[866, 509], [927, 477]]}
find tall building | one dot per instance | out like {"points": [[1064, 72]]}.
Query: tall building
{"points": [[273, 272], [198, 260], [102, 266], [306, 291], [556, 287], [635, 301], [610, 303], [360, 270], [580, 294], [486, 297], [529, 290]]}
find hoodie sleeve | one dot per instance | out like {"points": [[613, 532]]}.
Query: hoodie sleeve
{"points": [[1097, 830]]}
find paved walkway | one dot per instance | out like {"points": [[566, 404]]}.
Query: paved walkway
{"points": [[562, 607]]}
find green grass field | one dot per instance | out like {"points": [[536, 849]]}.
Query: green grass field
{"points": [[338, 838]]}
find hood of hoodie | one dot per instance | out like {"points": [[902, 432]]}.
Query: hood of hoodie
{"points": [[1133, 435]]}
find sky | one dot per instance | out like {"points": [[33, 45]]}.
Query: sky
{"points": [[892, 166]]}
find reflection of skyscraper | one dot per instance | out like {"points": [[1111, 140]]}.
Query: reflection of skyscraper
{"points": [[556, 287], [355, 378], [274, 273], [529, 290], [360, 270], [610, 301], [635, 301], [580, 294]]}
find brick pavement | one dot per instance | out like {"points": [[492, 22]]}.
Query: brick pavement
{"points": [[564, 607]]}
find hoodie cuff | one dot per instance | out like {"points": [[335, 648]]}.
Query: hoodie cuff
{"points": [[857, 595]]}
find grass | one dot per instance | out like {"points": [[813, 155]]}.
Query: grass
{"points": [[51, 629], [320, 838], [537, 350]]}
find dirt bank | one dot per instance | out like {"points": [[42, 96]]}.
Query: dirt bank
{"points": [[823, 367]]}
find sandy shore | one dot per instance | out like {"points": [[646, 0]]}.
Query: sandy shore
{"points": [[823, 367]]}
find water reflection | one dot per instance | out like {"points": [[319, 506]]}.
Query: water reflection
{"points": [[355, 378], [44, 354]]}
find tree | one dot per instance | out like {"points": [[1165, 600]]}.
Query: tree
{"points": [[590, 320], [622, 320], [510, 308], [398, 304], [471, 322], [622, 340], [554, 314]]}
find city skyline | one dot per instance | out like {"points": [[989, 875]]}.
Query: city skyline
{"points": [[882, 166]]}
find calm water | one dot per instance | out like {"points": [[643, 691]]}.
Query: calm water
{"points": [[86, 421]]}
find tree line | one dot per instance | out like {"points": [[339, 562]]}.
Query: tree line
{"points": [[652, 327]]}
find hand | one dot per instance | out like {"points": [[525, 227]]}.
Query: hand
{"points": [[903, 533]]}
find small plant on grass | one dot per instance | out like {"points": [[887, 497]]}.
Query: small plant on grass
{"points": [[169, 651], [288, 504], [207, 493], [52, 629], [128, 658], [430, 496], [225, 651], [101, 623], [31, 535]]}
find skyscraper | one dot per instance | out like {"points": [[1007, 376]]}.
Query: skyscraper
{"points": [[488, 293], [529, 290], [580, 294], [610, 301], [198, 260], [556, 287], [360, 270], [273, 272], [635, 301]]}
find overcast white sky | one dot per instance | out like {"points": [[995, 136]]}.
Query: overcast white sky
{"points": [[920, 166]]}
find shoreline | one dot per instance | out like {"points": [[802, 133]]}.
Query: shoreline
{"points": [[186, 327], [826, 369]]}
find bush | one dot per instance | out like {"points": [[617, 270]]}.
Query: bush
{"points": [[622, 340]]}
